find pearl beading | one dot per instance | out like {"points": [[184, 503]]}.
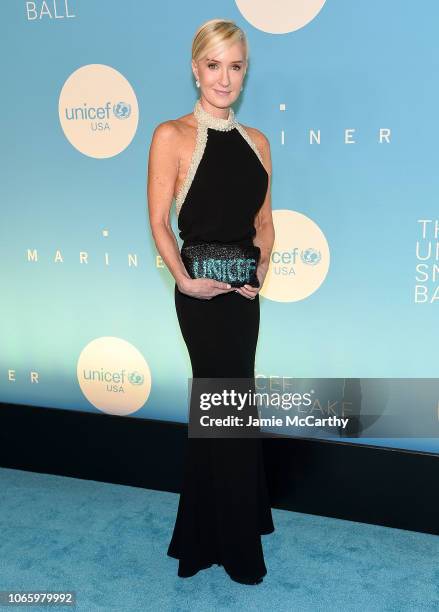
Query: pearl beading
{"points": [[204, 121], [210, 121]]}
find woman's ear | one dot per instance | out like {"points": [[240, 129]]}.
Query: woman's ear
{"points": [[195, 69]]}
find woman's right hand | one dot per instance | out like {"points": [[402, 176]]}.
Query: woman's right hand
{"points": [[203, 288]]}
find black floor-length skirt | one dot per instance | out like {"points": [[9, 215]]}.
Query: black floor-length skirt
{"points": [[224, 506]]}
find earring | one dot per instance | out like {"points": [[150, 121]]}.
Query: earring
{"points": [[197, 83]]}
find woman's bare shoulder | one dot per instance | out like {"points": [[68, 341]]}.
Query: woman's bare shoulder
{"points": [[174, 128]]}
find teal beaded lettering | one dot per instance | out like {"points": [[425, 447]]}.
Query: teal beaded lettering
{"points": [[225, 270]]}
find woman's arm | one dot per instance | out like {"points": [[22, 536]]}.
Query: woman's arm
{"points": [[264, 237], [162, 174]]}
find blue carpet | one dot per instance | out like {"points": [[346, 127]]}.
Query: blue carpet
{"points": [[108, 543]]}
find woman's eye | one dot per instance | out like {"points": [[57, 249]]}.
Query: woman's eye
{"points": [[235, 66]]}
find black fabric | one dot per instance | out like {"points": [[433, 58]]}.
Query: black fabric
{"points": [[224, 505], [227, 190]]}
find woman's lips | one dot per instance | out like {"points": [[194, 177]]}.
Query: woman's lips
{"points": [[221, 93]]}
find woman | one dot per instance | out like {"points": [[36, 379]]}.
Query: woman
{"points": [[220, 174]]}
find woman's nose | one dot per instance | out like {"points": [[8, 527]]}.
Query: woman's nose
{"points": [[224, 80]]}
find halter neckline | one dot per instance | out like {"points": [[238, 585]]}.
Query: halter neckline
{"points": [[210, 121]]}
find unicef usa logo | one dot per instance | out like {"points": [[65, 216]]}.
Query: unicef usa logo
{"points": [[98, 117], [113, 375], [295, 272], [98, 111]]}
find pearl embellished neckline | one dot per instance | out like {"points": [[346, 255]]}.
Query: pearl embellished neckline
{"points": [[206, 120], [210, 121]]}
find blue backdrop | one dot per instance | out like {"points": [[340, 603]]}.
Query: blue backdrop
{"points": [[346, 92]]}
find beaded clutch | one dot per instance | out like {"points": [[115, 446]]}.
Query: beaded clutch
{"points": [[228, 263]]}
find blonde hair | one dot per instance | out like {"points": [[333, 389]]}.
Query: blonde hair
{"points": [[214, 33]]}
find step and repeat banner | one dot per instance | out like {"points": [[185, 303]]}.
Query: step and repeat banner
{"points": [[347, 94]]}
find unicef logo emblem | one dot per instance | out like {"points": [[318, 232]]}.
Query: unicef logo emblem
{"points": [[135, 378], [122, 110], [97, 100], [310, 256], [280, 17], [113, 375], [296, 269]]}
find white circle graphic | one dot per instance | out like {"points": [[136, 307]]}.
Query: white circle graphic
{"points": [[113, 375], [299, 260], [98, 111], [279, 17]]}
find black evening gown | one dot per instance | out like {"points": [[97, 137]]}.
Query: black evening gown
{"points": [[224, 506]]}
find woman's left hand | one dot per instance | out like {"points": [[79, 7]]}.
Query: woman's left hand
{"points": [[251, 292]]}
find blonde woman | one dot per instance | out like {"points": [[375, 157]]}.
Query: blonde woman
{"points": [[219, 173]]}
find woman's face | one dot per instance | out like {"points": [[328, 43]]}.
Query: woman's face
{"points": [[222, 70]]}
